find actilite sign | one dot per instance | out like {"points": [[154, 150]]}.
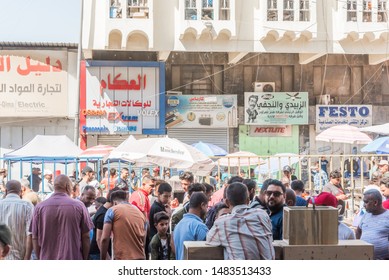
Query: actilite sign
{"points": [[269, 131]]}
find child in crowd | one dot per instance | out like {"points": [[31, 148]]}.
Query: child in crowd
{"points": [[161, 243]]}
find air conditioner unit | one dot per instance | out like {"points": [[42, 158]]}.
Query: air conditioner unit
{"points": [[171, 92], [325, 99], [264, 86]]}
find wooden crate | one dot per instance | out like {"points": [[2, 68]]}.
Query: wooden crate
{"points": [[198, 250], [308, 226]]}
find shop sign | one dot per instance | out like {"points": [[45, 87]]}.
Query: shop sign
{"points": [[33, 83], [270, 131], [199, 111], [277, 108], [130, 94], [332, 115]]}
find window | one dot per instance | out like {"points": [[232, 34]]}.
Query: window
{"points": [[367, 11], [137, 9], [224, 9], [288, 10], [382, 15], [207, 10], [304, 10], [272, 12], [351, 10], [190, 10], [115, 9]]}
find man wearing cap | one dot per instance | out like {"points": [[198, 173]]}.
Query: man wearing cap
{"points": [[156, 175], [17, 214], [5, 241], [34, 179], [287, 171], [87, 177], [383, 167], [374, 225], [328, 199], [47, 184]]}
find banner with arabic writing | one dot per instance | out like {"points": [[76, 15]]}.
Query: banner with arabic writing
{"points": [[269, 108], [332, 115], [124, 99], [33, 83], [196, 111]]}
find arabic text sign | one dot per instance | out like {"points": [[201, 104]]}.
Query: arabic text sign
{"points": [[33, 83], [194, 111], [331, 115], [276, 108], [122, 100]]}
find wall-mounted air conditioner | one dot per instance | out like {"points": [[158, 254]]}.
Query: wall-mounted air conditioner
{"points": [[264, 86], [172, 92]]}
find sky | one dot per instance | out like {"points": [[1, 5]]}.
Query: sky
{"points": [[53, 21]]}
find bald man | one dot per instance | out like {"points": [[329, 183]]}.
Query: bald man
{"points": [[17, 214], [61, 225]]}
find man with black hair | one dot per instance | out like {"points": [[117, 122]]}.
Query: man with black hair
{"points": [[162, 203], [246, 233], [298, 187], [128, 225], [251, 186], [122, 181], [191, 227], [275, 201], [98, 222], [179, 214], [187, 179], [260, 201], [5, 241]]}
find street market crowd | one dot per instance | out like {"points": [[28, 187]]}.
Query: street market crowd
{"points": [[124, 217]]}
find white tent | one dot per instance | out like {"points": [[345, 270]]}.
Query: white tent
{"points": [[46, 147], [379, 129]]}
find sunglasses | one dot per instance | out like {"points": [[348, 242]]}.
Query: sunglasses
{"points": [[275, 194]]}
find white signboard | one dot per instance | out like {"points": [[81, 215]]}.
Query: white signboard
{"points": [[33, 83], [276, 108], [122, 100], [270, 131], [331, 115]]}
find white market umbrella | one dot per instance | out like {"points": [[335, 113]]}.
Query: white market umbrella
{"points": [[166, 152], [276, 163], [344, 134], [97, 151], [379, 129], [240, 158]]}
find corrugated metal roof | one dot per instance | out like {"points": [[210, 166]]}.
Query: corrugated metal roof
{"points": [[6, 45]]}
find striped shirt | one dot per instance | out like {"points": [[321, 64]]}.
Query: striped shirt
{"points": [[17, 214], [245, 234], [375, 230]]}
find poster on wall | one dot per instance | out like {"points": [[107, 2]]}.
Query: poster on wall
{"points": [[124, 99], [199, 111], [33, 83], [268, 108], [331, 115]]}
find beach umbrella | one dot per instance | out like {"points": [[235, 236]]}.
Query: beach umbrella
{"points": [[343, 134], [240, 158], [379, 146], [209, 149]]}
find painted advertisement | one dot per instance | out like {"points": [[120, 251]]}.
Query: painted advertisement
{"points": [[33, 83], [276, 108], [270, 131], [331, 115], [124, 98], [196, 111]]}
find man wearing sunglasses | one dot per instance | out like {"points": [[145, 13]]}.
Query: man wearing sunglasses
{"points": [[275, 201]]}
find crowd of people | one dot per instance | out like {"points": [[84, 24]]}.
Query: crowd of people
{"points": [[125, 217]]}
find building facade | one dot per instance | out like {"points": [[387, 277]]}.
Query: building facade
{"points": [[335, 51]]}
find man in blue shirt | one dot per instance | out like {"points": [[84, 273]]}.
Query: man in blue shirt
{"points": [[191, 227]]}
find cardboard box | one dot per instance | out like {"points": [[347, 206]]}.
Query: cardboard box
{"points": [[308, 226], [198, 250], [345, 250]]}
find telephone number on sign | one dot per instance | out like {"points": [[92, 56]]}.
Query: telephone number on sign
{"points": [[241, 270]]}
